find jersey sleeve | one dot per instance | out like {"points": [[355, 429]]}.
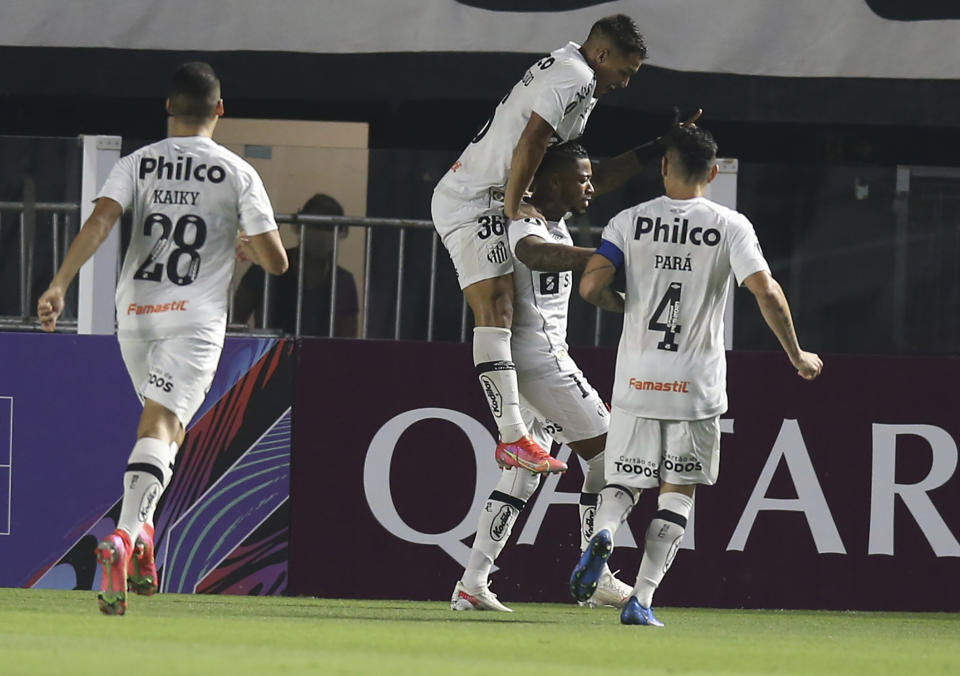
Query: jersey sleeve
{"points": [[256, 212], [517, 230], [558, 93], [746, 257], [615, 231], [121, 182], [614, 240]]}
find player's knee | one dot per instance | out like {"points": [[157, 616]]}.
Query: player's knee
{"points": [[589, 448], [498, 312], [492, 301], [159, 422]]}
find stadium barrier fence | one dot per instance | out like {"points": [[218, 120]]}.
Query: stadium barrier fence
{"points": [[54, 233]]}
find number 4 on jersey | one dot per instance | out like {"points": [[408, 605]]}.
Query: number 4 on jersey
{"points": [[666, 316]]}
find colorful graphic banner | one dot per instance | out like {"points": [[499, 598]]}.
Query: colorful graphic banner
{"points": [[70, 413], [840, 493]]}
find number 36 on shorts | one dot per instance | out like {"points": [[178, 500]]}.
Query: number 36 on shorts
{"points": [[490, 224]]}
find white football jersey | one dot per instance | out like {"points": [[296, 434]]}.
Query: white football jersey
{"points": [[540, 304], [559, 88], [188, 195], [677, 255]]}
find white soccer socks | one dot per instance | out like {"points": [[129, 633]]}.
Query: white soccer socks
{"points": [[148, 472], [498, 380], [662, 541], [495, 524], [613, 507], [592, 485]]}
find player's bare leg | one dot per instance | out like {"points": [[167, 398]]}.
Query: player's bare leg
{"points": [[660, 547], [491, 301]]}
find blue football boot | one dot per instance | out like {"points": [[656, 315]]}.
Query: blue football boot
{"points": [[583, 580], [634, 613]]}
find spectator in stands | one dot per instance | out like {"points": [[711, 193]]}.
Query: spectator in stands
{"points": [[318, 261]]}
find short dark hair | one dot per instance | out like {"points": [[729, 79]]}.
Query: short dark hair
{"points": [[194, 90], [623, 32], [695, 147], [558, 155], [322, 204]]}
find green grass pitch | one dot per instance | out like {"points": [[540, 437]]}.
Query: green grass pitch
{"points": [[61, 632]]}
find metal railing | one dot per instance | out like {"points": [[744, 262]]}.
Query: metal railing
{"points": [[377, 227], [370, 225], [62, 214]]}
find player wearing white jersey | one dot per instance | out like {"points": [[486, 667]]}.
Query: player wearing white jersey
{"points": [[556, 400], [670, 385], [485, 186], [189, 197]]}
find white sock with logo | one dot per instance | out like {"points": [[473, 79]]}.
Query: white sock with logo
{"points": [[592, 485], [613, 507], [149, 469], [173, 456], [498, 379], [496, 521], [662, 541]]}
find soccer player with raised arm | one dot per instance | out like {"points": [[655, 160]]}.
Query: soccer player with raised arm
{"points": [[556, 401], [192, 199], [677, 252], [484, 188]]}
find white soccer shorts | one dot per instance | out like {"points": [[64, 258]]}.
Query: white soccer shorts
{"points": [[643, 452], [565, 404], [174, 372], [474, 233]]}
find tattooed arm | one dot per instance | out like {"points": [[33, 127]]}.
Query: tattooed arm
{"points": [[538, 254]]}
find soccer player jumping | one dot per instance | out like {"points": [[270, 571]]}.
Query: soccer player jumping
{"points": [[677, 252], [190, 198], [485, 186], [556, 401]]}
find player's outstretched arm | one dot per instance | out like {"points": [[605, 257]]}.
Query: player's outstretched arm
{"points": [[776, 312], [527, 156], [538, 254], [95, 229], [266, 250], [610, 174], [595, 284]]}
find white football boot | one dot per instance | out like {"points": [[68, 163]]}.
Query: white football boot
{"points": [[480, 599], [610, 591]]}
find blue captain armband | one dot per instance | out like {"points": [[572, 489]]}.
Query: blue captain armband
{"points": [[609, 250]]}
